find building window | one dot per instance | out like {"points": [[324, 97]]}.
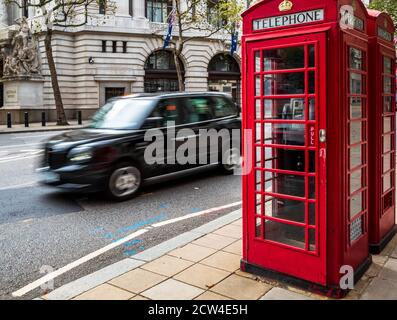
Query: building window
{"points": [[213, 14], [114, 46], [113, 92], [104, 45], [158, 10], [124, 46], [25, 8], [102, 8], [224, 76], [160, 72]]}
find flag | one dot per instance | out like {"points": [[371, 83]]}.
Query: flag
{"points": [[233, 46], [168, 36]]}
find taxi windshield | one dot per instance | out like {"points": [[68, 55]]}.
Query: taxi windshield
{"points": [[128, 114]]}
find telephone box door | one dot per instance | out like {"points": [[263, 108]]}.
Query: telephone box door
{"points": [[287, 219]]}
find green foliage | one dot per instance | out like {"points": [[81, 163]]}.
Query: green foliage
{"points": [[230, 11], [389, 6]]}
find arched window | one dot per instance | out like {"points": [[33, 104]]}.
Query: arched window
{"points": [[160, 72], [224, 75]]}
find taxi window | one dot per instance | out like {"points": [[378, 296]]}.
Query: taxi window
{"points": [[168, 110], [223, 107], [197, 109]]}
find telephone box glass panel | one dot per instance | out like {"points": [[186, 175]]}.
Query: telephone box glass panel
{"points": [[285, 145]]}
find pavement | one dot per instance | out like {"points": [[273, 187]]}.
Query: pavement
{"points": [[37, 127], [203, 264]]}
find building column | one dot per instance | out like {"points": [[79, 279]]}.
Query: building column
{"points": [[3, 14], [138, 12]]}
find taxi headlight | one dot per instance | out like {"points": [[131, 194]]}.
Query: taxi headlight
{"points": [[80, 154]]}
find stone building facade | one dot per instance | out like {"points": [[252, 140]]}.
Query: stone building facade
{"points": [[121, 56]]}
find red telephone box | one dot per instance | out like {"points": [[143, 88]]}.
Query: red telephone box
{"points": [[305, 201], [382, 127]]}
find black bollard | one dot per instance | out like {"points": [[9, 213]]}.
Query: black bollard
{"points": [[9, 120], [79, 118], [26, 119], [43, 119]]}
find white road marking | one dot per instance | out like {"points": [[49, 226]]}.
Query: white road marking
{"points": [[30, 150], [21, 157], [74, 264], [28, 184], [21, 292], [36, 136], [20, 145], [196, 214]]}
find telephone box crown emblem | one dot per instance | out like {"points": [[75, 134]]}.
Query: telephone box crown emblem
{"points": [[286, 5]]}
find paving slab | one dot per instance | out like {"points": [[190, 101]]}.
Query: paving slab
{"points": [[172, 290], [192, 252], [223, 260], [93, 280], [208, 295], [380, 289], [378, 259], [202, 276], [241, 288], [236, 248], [214, 241], [283, 294], [394, 253], [238, 222], [105, 292], [389, 271], [230, 231], [137, 280], [219, 222], [167, 265], [167, 246], [138, 297]]}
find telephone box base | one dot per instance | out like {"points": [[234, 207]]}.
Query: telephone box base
{"points": [[329, 291], [378, 247]]}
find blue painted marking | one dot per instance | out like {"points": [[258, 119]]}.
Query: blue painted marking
{"points": [[129, 252], [195, 210], [132, 243], [134, 251], [109, 235], [164, 205], [141, 223]]}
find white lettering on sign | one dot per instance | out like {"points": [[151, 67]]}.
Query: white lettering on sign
{"points": [[385, 34], [289, 19], [312, 135]]}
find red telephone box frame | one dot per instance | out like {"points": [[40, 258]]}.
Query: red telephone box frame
{"points": [[382, 209], [317, 270]]}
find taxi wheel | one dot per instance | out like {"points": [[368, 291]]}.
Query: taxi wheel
{"points": [[124, 182]]}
